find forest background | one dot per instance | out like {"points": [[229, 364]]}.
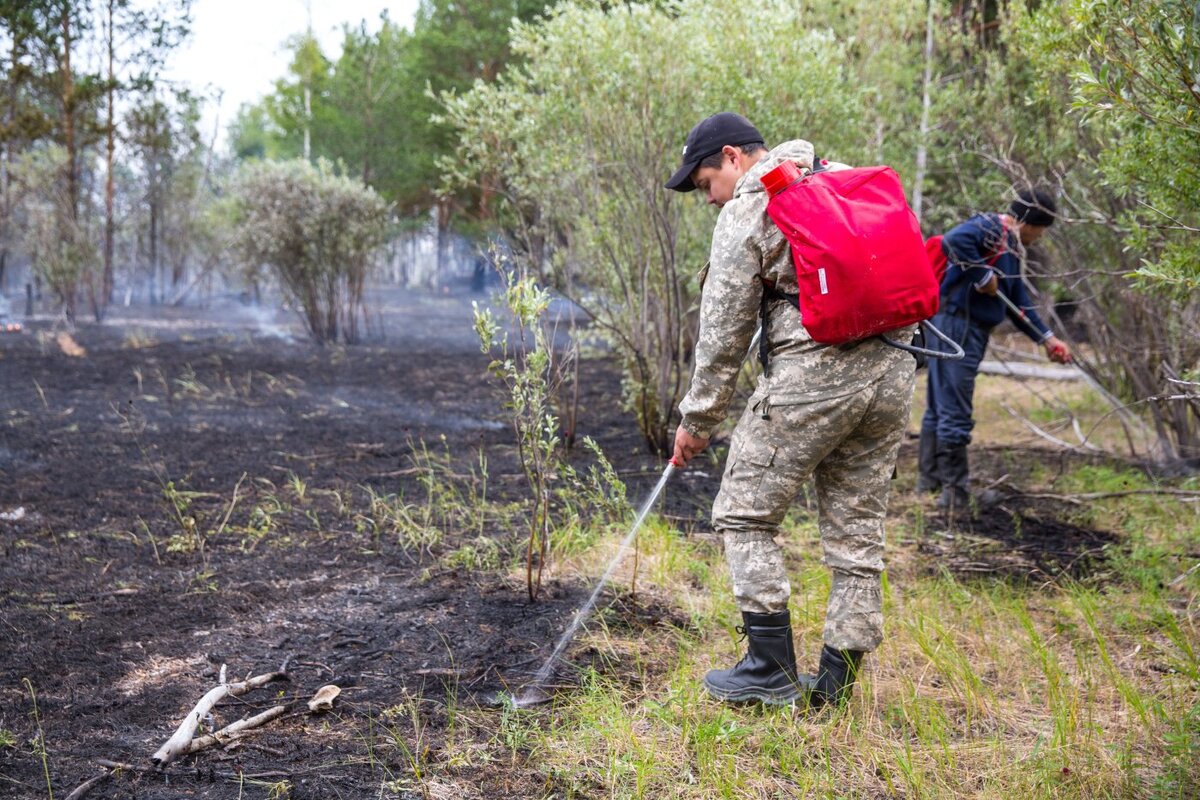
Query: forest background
{"points": [[545, 131], [549, 128], [535, 139]]}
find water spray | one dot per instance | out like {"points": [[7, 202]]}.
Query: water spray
{"points": [[535, 693]]}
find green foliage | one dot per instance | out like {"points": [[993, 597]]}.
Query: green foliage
{"points": [[1135, 70], [372, 108], [66, 67], [448, 502], [527, 369], [579, 138], [1001, 119], [63, 244], [1033, 694], [371, 115], [25, 64], [1181, 767], [252, 134], [176, 217], [190, 535], [318, 231], [481, 553]]}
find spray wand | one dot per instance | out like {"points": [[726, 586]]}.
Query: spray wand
{"points": [[535, 693]]}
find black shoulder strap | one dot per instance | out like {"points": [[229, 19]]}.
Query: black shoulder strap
{"points": [[770, 293]]}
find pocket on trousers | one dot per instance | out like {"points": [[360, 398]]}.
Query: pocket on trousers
{"points": [[754, 459]]}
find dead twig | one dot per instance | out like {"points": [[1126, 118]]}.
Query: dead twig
{"points": [[1184, 576], [88, 785], [121, 765], [179, 742], [1047, 436], [1080, 499], [232, 504], [115, 766], [233, 731], [1002, 479]]}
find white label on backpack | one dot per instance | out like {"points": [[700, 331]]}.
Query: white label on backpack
{"points": [[821, 277]]}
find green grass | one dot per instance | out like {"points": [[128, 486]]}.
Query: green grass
{"points": [[981, 689]]}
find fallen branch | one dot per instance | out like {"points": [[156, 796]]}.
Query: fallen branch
{"points": [[1079, 499], [1020, 370], [178, 743], [1045, 435], [1184, 576], [118, 766], [233, 731], [88, 785]]}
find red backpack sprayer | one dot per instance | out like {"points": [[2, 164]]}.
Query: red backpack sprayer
{"points": [[861, 262]]}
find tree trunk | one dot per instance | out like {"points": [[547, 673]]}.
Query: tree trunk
{"points": [[68, 287], [68, 104], [106, 288], [368, 123], [7, 160], [923, 141], [154, 235], [443, 241]]}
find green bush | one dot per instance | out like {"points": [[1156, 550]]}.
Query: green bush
{"points": [[318, 231]]}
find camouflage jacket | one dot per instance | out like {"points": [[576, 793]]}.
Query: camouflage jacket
{"points": [[747, 249]]}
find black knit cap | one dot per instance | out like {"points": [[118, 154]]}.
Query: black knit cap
{"points": [[707, 138], [1034, 207]]}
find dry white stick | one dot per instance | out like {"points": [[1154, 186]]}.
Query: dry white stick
{"points": [[1016, 369], [1181, 578], [1047, 436], [232, 731], [178, 743], [1080, 499]]}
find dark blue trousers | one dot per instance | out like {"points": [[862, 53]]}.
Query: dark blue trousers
{"points": [[950, 398]]}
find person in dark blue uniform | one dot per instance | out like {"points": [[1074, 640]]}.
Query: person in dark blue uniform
{"points": [[984, 258]]}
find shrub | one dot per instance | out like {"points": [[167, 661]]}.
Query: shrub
{"points": [[318, 230]]}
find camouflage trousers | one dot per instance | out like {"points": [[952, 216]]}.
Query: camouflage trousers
{"points": [[848, 445]]}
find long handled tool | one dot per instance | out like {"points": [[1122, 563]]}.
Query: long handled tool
{"points": [[535, 692]]}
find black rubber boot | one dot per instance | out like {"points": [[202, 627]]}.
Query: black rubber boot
{"points": [[835, 678], [768, 671], [956, 496], [927, 474]]}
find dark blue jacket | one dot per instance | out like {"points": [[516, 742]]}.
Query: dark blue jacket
{"points": [[969, 248]]}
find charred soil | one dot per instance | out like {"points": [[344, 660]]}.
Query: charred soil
{"points": [[187, 494]]}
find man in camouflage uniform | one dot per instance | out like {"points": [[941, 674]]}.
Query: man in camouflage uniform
{"points": [[834, 413]]}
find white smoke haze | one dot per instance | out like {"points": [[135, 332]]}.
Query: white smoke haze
{"points": [[265, 322]]}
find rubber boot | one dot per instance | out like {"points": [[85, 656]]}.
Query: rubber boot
{"points": [[956, 497], [835, 678], [768, 671], [927, 474]]}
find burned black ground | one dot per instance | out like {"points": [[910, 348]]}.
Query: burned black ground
{"points": [[116, 621]]}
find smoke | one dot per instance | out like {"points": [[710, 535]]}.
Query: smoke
{"points": [[265, 323]]}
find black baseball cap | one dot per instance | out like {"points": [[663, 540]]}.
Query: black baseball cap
{"points": [[707, 138]]}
